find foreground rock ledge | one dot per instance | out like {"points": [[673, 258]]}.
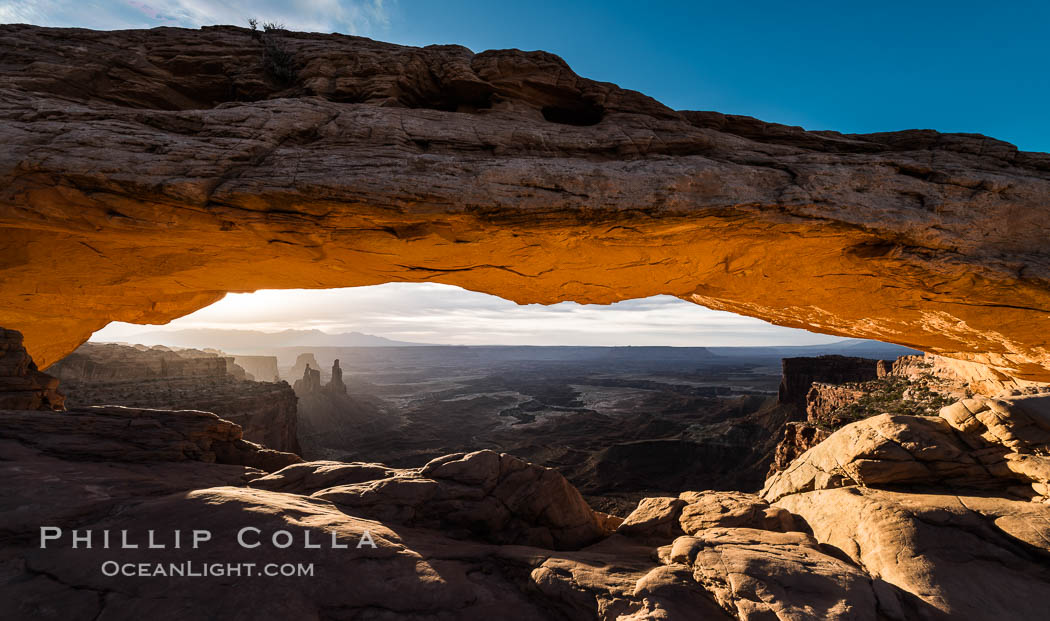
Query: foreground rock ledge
{"points": [[147, 173], [484, 535]]}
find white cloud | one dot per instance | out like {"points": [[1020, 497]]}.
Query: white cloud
{"points": [[360, 17], [436, 313]]}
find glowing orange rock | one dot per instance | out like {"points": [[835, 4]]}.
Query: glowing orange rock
{"points": [[188, 171]]}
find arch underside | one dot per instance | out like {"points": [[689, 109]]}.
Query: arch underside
{"points": [[116, 208]]}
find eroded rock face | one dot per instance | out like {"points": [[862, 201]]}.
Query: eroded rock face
{"points": [[797, 438], [161, 470], [882, 450], [856, 551], [135, 435], [760, 574], [502, 172], [911, 385], [108, 362], [799, 375], [439, 533], [309, 383], [336, 385], [948, 515], [491, 495], [958, 376], [692, 512], [823, 399], [303, 362], [22, 385], [983, 444], [261, 368], [110, 374], [505, 172], [433, 528], [947, 555]]}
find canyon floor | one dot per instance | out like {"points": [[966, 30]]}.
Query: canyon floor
{"points": [[610, 425], [619, 423]]}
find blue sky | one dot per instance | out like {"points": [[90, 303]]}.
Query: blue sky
{"points": [[853, 67], [849, 66]]}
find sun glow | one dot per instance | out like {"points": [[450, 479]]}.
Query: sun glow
{"points": [[444, 314]]}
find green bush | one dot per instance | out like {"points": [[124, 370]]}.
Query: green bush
{"points": [[278, 60], [886, 396]]}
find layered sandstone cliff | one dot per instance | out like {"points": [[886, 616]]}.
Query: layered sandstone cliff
{"points": [[260, 368], [799, 374], [109, 362], [110, 374], [146, 173]]}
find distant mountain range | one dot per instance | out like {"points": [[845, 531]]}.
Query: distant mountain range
{"points": [[251, 341], [258, 342], [846, 347]]}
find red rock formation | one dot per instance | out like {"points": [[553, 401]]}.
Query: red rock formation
{"points": [[310, 383], [507, 173], [909, 384], [502, 172], [797, 438], [22, 386], [493, 496], [799, 374], [937, 507], [824, 399]]}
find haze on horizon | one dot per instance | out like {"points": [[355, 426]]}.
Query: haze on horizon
{"points": [[448, 315]]}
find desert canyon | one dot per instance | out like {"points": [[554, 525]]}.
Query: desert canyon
{"points": [[147, 173]]}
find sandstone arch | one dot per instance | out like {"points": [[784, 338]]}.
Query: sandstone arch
{"points": [[147, 173]]}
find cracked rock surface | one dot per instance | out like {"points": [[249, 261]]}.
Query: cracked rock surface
{"points": [[936, 554], [491, 495], [948, 515]]}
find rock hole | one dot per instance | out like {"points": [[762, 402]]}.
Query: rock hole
{"points": [[582, 115], [872, 250], [467, 97]]}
